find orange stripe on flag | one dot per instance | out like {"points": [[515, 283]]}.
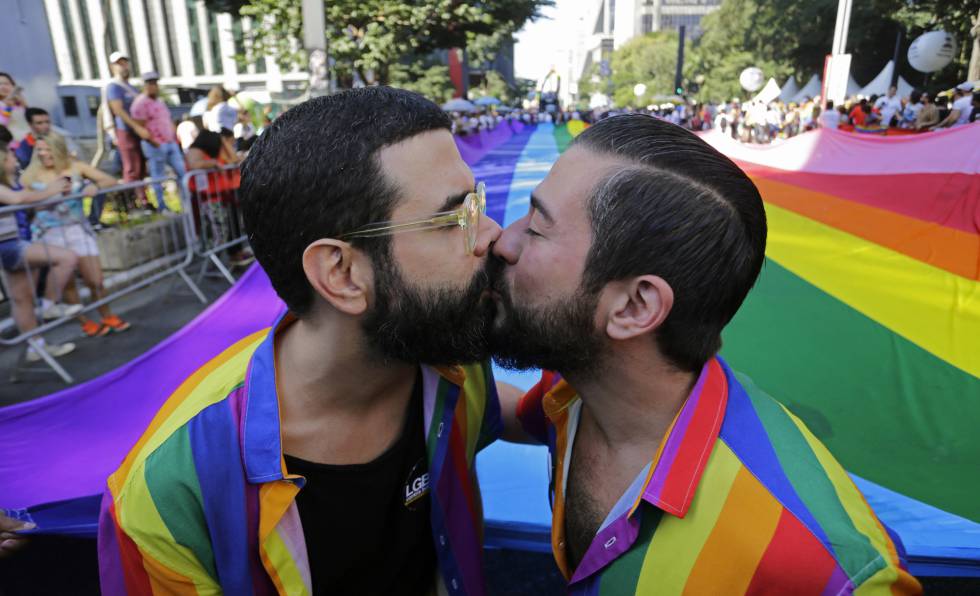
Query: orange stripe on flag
{"points": [[952, 250]]}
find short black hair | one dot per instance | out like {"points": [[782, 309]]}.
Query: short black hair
{"points": [[29, 113], [314, 174], [680, 210], [5, 136]]}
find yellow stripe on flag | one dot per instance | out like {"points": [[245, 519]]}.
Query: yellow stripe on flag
{"points": [[932, 308]]}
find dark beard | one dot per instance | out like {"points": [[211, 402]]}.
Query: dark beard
{"points": [[436, 326], [560, 336]]}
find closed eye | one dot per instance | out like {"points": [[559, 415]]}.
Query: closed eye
{"points": [[531, 232]]}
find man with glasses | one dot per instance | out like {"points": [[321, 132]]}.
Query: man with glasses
{"points": [[335, 452]]}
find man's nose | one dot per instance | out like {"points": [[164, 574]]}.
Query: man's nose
{"points": [[486, 235], [511, 242]]}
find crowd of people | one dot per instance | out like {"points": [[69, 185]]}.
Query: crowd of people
{"points": [[43, 248], [758, 122]]}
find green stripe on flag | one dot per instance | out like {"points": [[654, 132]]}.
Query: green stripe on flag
{"points": [[888, 410], [562, 137]]}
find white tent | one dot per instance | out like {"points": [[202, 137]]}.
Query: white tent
{"points": [[790, 88], [879, 85], [853, 88], [768, 93], [811, 90]]}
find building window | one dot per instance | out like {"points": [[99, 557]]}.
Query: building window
{"points": [[93, 104], [612, 16], [89, 44], [152, 32], [76, 64], [600, 23], [70, 106], [219, 67], [196, 49], [170, 28], [647, 23], [127, 26]]}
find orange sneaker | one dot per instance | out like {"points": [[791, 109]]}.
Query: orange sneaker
{"points": [[114, 324], [93, 329]]}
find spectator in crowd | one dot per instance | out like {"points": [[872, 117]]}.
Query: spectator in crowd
{"points": [[66, 226], [911, 111], [962, 107], [187, 130], [39, 122], [830, 117], [16, 255], [859, 113], [12, 106], [214, 193], [128, 133], [6, 138], [161, 148], [244, 132], [888, 105], [975, 114], [220, 113], [928, 115]]}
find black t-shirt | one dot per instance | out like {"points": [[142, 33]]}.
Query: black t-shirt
{"points": [[367, 525]]}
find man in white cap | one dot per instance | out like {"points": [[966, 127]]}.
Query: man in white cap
{"points": [[128, 132], [962, 107]]}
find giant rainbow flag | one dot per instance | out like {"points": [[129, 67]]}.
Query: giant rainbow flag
{"points": [[865, 322]]}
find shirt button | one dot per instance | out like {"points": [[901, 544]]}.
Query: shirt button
{"points": [[442, 539], [610, 542], [455, 584], [439, 431], [561, 545]]}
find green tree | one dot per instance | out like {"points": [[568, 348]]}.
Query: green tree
{"points": [[784, 37], [431, 80], [369, 37]]}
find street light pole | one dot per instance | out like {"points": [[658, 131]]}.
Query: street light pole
{"points": [[678, 74], [841, 27]]}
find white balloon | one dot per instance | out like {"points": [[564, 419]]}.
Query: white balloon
{"points": [[752, 79], [932, 51]]}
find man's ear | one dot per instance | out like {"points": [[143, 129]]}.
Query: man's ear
{"points": [[638, 306], [339, 274]]}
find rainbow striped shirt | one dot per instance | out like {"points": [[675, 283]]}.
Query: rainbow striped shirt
{"points": [[740, 498], [203, 502]]}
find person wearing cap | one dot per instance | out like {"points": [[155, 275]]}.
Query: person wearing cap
{"points": [[161, 148], [128, 132], [962, 107]]}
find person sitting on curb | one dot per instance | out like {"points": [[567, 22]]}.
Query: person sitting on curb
{"points": [[65, 225]]}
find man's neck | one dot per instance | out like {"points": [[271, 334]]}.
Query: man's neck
{"points": [[339, 403], [632, 401], [325, 366]]}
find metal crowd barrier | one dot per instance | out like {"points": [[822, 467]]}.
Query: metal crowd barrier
{"points": [[210, 198], [157, 249]]}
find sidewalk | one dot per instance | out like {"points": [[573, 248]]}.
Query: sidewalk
{"points": [[155, 312]]}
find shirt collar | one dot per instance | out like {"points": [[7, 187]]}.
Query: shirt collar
{"points": [[677, 467], [261, 432]]}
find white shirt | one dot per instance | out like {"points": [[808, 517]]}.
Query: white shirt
{"points": [[186, 133], [829, 118], [965, 106], [221, 116], [888, 106]]}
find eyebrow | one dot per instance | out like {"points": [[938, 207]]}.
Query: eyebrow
{"points": [[453, 201], [537, 205]]}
